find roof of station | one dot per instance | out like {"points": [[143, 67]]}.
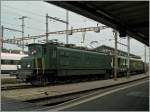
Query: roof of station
{"points": [[128, 17], [111, 50]]}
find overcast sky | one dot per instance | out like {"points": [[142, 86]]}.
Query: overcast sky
{"points": [[35, 25]]}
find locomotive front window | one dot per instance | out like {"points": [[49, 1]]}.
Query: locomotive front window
{"points": [[35, 50]]}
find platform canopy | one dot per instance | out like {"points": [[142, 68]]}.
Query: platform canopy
{"points": [[130, 18]]}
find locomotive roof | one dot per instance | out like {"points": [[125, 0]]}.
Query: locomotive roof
{"points": [[96, 50], [82, 50], [70, 47], [35, 44]]}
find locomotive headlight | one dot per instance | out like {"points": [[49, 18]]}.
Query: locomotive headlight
{"points": [[28, 65], [33, 52], [19, 66]]}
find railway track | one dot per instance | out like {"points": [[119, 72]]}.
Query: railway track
{"points": [[15, 86], [52, 96], [59, 82], [6, 87], [56, 100], [25, 86]]}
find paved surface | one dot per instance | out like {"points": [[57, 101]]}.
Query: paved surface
{"points": [[17, 105], [34, 93], [9, 104], [13, 99], [135, 98]]}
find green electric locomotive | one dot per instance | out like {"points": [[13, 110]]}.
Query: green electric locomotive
{"points": [[47, 62]]}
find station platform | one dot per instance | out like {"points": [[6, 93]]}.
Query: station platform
{"points": [[20, 95], [9, 104]]}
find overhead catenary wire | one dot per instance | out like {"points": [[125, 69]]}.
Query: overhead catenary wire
{"points": [[2, 21], [17, 26], [15, 14], [29, 12], [17, 9], [37, 21], [33, 14], [34, 19], [37, 29], [63, 32]]}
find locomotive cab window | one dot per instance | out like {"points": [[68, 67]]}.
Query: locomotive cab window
{"points": [[35, 49]]}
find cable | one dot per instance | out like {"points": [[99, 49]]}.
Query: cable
{"points": [[9, 23], [36, 20], [39, 22], [26, 12], [34, 28], [12, 12], [14, 8], [10, 26]]}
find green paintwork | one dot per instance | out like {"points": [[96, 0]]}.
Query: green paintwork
{"points": [[54, 57], [80, 59], [136, 65], [60, 60]]}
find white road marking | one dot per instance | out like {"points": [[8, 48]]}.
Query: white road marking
{"points": [[95, 97]]}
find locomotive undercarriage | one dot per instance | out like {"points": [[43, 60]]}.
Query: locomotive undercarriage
{"points": [[42, 78], [53, 76]]}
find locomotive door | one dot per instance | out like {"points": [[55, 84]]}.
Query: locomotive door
{"points": [[39, 65]]}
